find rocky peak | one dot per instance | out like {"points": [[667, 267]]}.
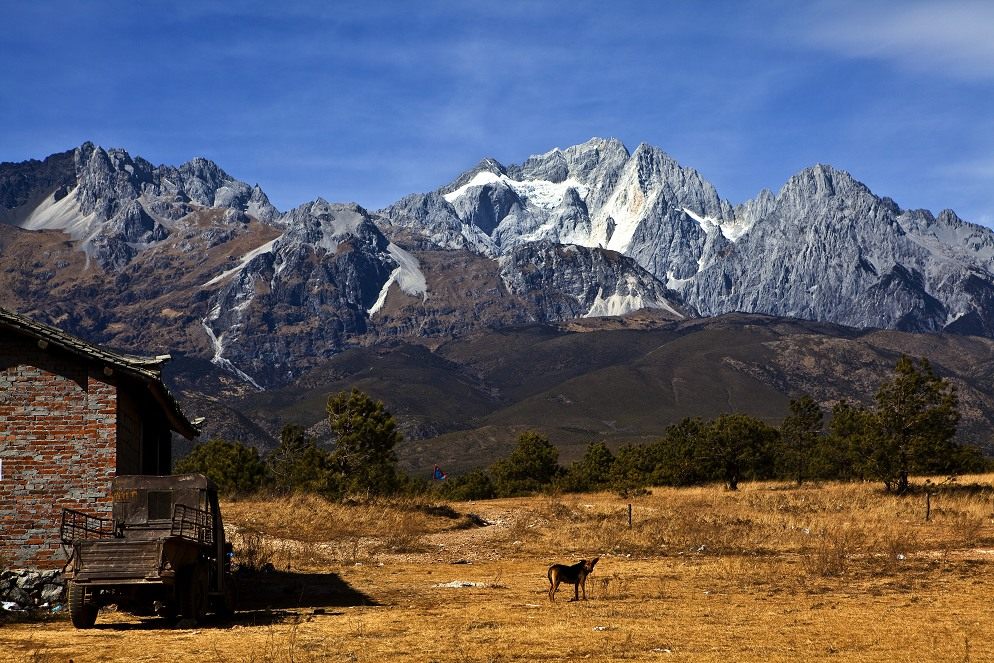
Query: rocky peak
{"points": [[756, 208], [486, 165], [303, 295], [326, 225], [683, 187], [551, 167], [586, 157], [822, 181], [27, 181], [201, 179], [107, 181], [597, 164], [589, 163], [949, 217]]}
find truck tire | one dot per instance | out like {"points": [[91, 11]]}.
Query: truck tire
{"points": [[82, 612], [225, 604], [194, 591]]}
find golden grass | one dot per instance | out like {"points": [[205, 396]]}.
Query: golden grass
{"points": [[308, 531], [772, 572]]}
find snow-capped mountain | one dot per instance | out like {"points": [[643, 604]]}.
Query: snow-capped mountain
{"points": [[114, 206], [324, 277], [823, 248], [595, 195], [131, 254], [191, 261], [127, 253]]}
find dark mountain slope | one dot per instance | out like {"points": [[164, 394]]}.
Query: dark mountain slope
{"points": [[462, 403]]}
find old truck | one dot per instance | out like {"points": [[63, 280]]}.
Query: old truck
{"points": [[163, 551]]}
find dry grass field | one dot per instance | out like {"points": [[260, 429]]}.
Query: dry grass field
{"points": [[772, 572]]}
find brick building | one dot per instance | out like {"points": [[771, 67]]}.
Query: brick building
{"points": [[72, 415]]}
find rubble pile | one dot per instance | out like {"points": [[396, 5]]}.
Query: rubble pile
{"points": [[30, 590]]}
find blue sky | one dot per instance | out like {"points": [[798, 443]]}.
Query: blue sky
{"points": [[369, 101]]}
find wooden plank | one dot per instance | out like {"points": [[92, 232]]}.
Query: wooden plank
{"points": [[119, 559]]}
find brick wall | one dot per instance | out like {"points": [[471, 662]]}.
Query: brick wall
{"points": [[57, 446]]}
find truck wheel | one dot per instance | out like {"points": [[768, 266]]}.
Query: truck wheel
{"points": [[82, 612], [195, 587], [225, 605]]}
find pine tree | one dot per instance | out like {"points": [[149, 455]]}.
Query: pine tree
{"points": [[914, 420], [592, 472], [531, 466], [839, 454], [297, 464], [799, 435], [232, 466], [737, 447], [366, 435], [680, 452], [632, 470]]}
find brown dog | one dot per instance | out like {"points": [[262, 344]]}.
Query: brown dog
{"points": [[575, 574]]}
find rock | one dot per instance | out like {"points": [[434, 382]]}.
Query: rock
{"points": [[27, 588], [566, 282], [458, 584], [51, 593], [20, 597]]}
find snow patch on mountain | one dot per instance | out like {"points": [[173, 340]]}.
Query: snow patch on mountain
{"points": [[408, 276], [731, 230], [410, 279], [335, 227], [482, 178], [707, 223], [544, 194], [246, 259], [541, 193], [673, 283], [735, 229], [621, 216], [217, 342], [616, 304], [381, 299], [626, 300], [63, 215]]}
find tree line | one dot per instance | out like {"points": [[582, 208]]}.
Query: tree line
{"points": [[908, 429]]}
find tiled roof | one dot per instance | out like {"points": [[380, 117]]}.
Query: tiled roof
{"points": [[147, 369]]}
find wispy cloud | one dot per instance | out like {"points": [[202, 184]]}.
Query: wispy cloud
{"points": [[952, 38], [980, 169], [971, 181]]}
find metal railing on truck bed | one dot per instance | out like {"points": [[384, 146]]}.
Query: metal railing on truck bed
{"points": [[187, 522], [77, 526], [193, 524]]}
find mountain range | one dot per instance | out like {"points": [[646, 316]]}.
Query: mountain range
{"points": [[252, 301]]}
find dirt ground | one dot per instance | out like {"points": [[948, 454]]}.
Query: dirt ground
{"points": [[480, 594]]}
